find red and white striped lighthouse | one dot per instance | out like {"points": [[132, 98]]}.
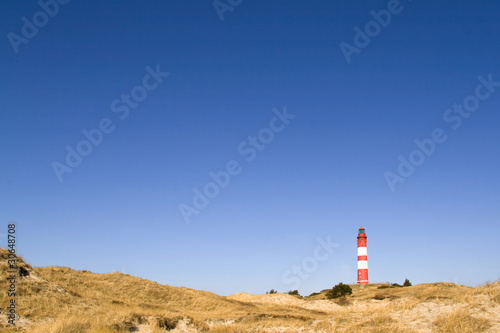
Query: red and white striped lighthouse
{"points": [[362, 257]]}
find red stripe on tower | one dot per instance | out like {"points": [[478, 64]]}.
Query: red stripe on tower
{"points": [[362, 257]]}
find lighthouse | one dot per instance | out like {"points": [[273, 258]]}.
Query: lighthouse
{"points": [[362, 257]]}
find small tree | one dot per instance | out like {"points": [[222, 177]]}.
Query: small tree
{"points": [[407, 283], [294, 293], [272, 291], [340, 290]]}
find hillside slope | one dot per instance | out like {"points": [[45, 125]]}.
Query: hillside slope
{"points": [[62, 300]]}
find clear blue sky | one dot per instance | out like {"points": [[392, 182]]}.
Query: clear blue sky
{"points": [[323, 174]]}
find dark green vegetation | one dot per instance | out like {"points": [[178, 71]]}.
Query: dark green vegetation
{"points": [[340, 290]]}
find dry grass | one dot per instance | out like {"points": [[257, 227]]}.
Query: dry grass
{"points": [[460, 321], [62, 300]]}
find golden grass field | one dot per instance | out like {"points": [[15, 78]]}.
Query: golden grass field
{"points": [[62, 300]]}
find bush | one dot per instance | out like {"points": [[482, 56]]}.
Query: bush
{"points": [[294, 293], [407, 283], [340, 290], [272, 291]]}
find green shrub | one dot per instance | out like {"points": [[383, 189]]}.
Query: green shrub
{"points": [[340, 290], [294, 293], [407, 283], [272, 291]]}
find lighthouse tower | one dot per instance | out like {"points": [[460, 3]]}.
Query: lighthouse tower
{"points": [[362, 257]]}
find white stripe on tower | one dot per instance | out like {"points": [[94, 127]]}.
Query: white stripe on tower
{"points": [[362, 264]]}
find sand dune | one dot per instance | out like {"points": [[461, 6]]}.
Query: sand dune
{"points": [[59, 299]]}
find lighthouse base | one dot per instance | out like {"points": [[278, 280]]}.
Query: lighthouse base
{"points": [[363, 275]]}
